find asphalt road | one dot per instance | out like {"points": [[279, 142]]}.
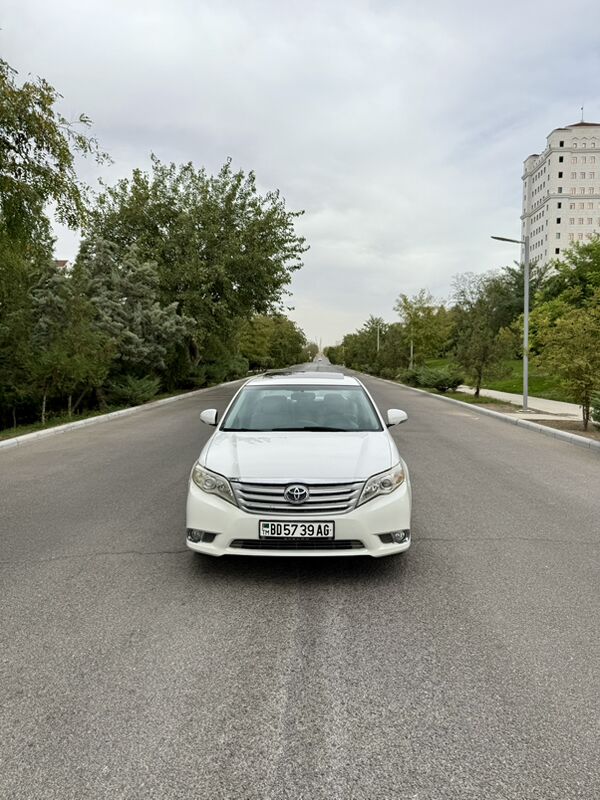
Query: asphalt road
{"points": [[467, 669]]}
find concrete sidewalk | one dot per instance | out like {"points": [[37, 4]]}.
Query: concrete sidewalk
{"points": [[554, 408]]}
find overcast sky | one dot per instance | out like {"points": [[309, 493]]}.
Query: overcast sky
{"points": [[400, 127]]}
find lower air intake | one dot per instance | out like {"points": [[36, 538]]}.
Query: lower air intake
{"points": [[288, 544]]}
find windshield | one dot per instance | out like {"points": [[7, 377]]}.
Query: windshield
{"points": [[302, 408]]}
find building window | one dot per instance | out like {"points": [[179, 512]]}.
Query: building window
{"points": [[571, 237], [582, 190], [560, 174], [556, 250], [571, 205], [561, 159], [581, 205], [558, 220], [561, 143], [559, 205], [591, 190], [573, 175], [590, 221], [558, 235], [592, 159], [580, 236], [560, 189], [574, 144], [571, 220], [590, 205], [592, 175], [582, 175], [580, 220]]}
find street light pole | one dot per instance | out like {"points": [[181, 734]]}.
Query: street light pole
{"points": [[525, 242]]}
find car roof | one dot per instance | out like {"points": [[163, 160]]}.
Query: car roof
{"points": [[314, 377]]}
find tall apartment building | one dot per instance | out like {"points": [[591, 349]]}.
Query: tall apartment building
{"points": [[561, 191]]}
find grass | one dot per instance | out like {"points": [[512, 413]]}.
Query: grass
{"points": [[64, 419], [509, 378], [470, 398]]}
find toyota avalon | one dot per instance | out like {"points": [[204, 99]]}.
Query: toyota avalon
{"points": [[301, 464]]}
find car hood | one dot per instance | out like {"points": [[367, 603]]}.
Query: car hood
{"points": [[294, 456]]}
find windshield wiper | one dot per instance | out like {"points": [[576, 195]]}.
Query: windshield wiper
{"points": [[312, 428]]}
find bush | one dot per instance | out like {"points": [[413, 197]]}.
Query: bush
{"points": [[387, 372], [440, 378], [133, 391], [596, 410], [409, 376]]}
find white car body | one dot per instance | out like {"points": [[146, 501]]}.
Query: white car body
{"points": [[333, 468]]}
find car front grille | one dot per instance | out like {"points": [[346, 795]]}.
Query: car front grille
{"points": [[294, 544], [324, 498]]}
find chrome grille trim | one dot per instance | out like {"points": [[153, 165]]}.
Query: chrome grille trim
{"points": [[268, 498]]}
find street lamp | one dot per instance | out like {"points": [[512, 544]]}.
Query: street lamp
{"points": [[525, 242]]}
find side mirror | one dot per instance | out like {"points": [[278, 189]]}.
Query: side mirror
{"points": [[395, 417], [209, 416]]}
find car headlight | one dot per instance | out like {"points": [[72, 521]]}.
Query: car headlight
{"points": [[213, 483], [382, 483]]}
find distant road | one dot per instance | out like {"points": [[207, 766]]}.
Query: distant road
{"points": [[467, 669]]}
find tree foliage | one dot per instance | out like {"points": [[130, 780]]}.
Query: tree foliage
{"points": [[271, 342], [37, 154], [223, 251]]}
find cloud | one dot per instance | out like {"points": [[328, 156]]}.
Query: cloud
{"points": [[399, 128]]}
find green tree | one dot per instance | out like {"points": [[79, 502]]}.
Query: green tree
{"points": [[223, 251], [479, 347], [69, 353], [566, 339], [424, 325], [37, 153], [576, 276], [271, 342], [124, 291], [310, 352]]}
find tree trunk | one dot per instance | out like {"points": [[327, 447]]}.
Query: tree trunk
{"points": [[101, 397], [70, 406], [586, 415], [79, 399], [14, 416], [44, 408]]}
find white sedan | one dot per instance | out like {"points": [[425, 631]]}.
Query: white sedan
{"points": [[301, 464]]}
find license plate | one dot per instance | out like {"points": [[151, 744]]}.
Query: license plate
{"points": [[276, 529]]}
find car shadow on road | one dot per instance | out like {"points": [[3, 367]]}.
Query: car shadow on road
{"points": [[309, 570]]}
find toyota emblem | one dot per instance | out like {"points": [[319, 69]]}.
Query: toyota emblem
{"points": [[296, 494]]}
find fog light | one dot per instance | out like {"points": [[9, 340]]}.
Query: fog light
{"points": [[400, 536], [196, 536]]}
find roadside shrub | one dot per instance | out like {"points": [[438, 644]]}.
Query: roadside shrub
{"points": [[409, 376], [133, 391], [440, 378], [387, 372], [238, 367]]}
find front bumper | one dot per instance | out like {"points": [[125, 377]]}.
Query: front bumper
{"points": [[356, 533]]}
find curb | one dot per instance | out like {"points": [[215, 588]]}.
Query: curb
{"points": [[26, 438], [564, 436]]}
